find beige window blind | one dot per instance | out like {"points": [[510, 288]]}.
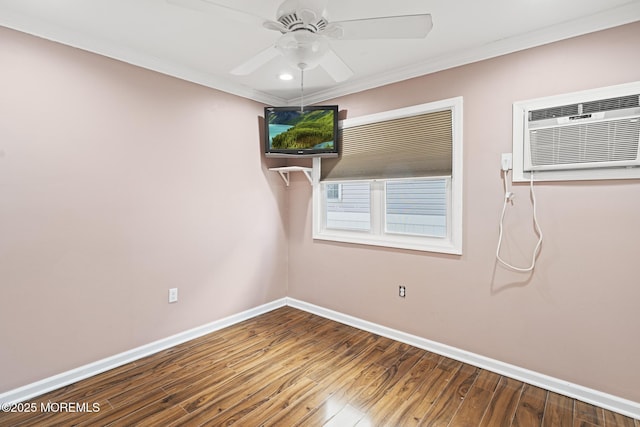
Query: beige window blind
{"points": [[398, 148]]}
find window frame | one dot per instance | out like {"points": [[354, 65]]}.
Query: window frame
{"points": [[451, 244]]}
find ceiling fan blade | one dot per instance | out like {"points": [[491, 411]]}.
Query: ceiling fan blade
{"points": [[390, 27], [256, 62], [336, 67], [212, 7]]}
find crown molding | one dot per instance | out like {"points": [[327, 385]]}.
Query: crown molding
{"points": [[625, 14], [612, 18], [44, 30]]}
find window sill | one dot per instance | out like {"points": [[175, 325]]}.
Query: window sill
{"points": [[436, 245]]}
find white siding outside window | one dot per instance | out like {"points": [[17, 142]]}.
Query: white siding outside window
{"points": [[350, 211], [417, 207]]}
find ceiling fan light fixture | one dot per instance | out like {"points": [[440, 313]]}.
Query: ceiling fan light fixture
{"points": [[303, 49]]}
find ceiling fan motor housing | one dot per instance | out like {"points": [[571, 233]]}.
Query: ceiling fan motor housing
{"points": [[293, 22], [302, 15]]}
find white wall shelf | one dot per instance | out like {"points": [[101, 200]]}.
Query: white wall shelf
{"points": [[285, 170]]}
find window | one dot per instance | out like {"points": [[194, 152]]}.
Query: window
{"points": [[398, 182]]}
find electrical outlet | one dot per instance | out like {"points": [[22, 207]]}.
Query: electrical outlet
{"points": [[402, 291], [506, 161], [173, 295]]}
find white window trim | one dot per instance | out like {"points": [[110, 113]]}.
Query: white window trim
{"points": [[452, 244]]}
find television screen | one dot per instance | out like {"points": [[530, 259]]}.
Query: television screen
{"points": [[292, 132]]}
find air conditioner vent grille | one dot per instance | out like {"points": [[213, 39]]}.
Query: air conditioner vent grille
{"points": [[606, 141], [553, 112], [619, 103]]}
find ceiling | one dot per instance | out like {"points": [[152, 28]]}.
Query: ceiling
{"points": [[202, 46]]}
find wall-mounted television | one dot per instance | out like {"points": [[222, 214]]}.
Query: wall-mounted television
{"points": [[296, 132]]}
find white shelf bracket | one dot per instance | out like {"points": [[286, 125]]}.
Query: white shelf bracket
{"points": [[285, 176], [307, 173], [284, 173]]}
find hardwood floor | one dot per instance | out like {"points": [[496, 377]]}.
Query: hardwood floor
{"points": [[291, 368]]}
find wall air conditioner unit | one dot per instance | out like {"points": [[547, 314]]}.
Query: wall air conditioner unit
{"points": [[586, 135]]}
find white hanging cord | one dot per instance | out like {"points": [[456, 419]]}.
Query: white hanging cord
{"points": [[301, 88], [508, 196]]}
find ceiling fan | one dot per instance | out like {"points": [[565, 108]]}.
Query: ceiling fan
{"points": [[306, 33]]}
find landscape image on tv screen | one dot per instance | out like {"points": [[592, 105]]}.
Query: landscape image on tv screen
{"points": [[301, 130]]}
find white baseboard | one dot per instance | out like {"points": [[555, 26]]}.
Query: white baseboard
{"points": [[32, 390], [594, 397]]}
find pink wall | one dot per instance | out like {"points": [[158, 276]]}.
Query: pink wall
{"points": [[576, 317], [117, 184]]}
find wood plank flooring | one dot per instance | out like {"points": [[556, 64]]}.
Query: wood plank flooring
{"points": [[291, 368]]}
